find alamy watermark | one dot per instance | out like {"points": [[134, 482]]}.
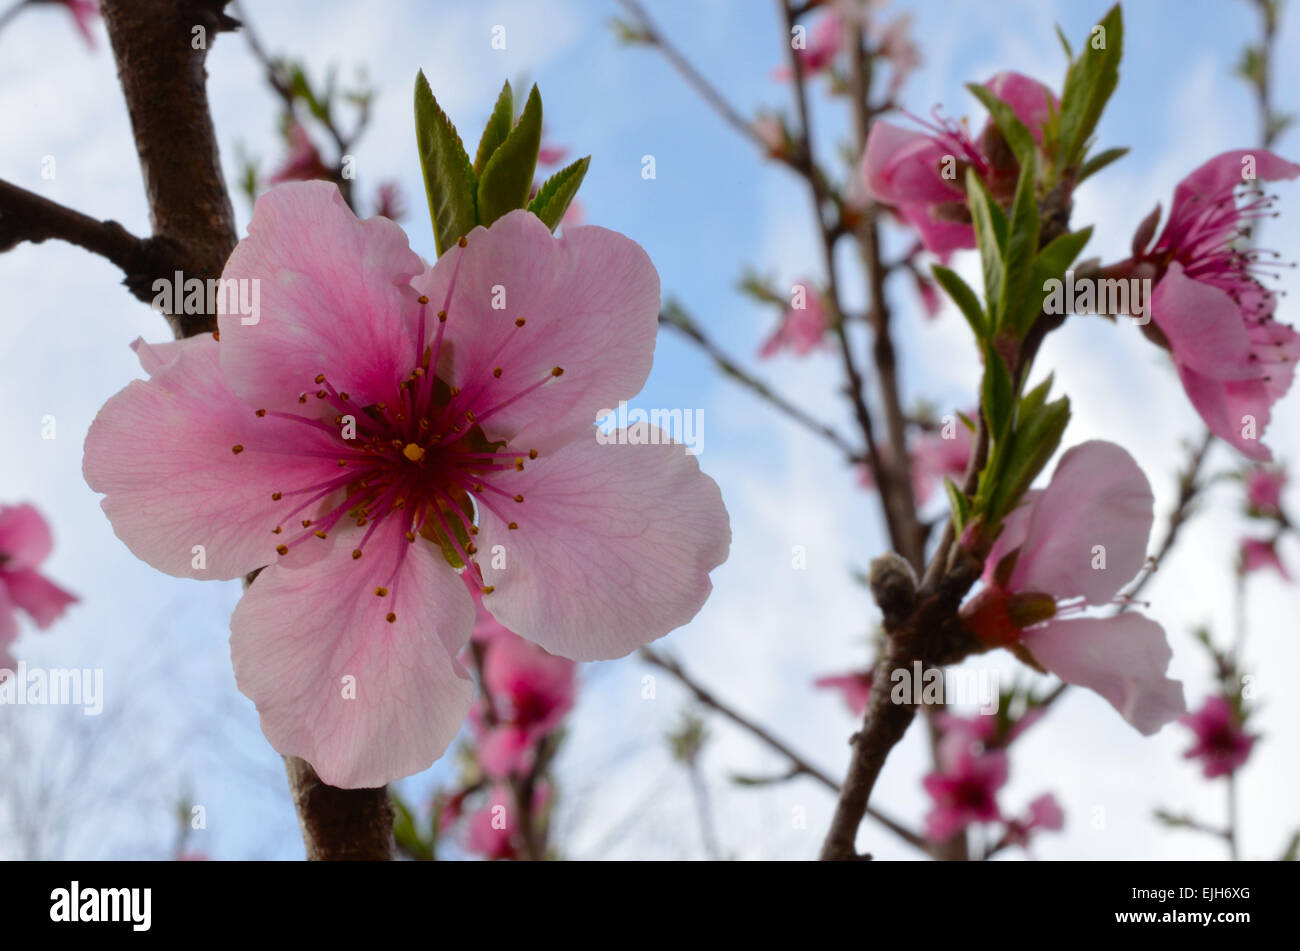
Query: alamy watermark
{"points": [[241, 297], [1109, 296], [58, 686], [637, 427], [918, 685]]}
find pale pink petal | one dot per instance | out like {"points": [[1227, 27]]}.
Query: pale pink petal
{"points": [[37, 595], [301, 630], [154, 356], [902, 167], [590, 305], [1216, 178], [1015, 525], [1203, 325], [503, 750], [162, 453], [614, 546], [1237, 411], [1098, 496], [1029, 99], [940, 237], [1123, 658], [334, 298], [25, 539]]}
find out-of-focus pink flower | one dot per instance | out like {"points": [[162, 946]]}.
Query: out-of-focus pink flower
{"points": [[25, 542], [1258, 553], [1074, 544], [1234, 360], [389, 201], [1222, 744], [921, 174], [934, 455], [1264, 489], [549, 155], [802, 328], [964, 790], [530, 692], [823, 43], [350, 361], [1043, 814], [897, 46], [303, 163], [770, 130], [488, 830], [855, 688]]}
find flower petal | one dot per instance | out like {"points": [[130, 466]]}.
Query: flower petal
{"points": [[1203, 325], [25, 539], [301, 630], [1098, 496], [1237, 411], [1123, 658], [614, 547], [162, 453], [37, 595], [590, 303], [901, 167], [334, 297]]}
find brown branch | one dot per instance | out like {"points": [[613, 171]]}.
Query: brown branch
{"points": [[26, 216], [340, 824], [799, 765]]}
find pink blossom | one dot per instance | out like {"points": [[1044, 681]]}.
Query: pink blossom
{"points": [[473, 430], [1222, 745], [488, 830], [303, 163], [802, 328], [1071, 545], [823, 43], [25, 542], [855, 687], [906, 168], [933, 456], [1264, 489], [549, 155], [1257, 553], [530, 692], [897, 46], [964, 790], [1234, 360], [1043, 814], [389, 201]]}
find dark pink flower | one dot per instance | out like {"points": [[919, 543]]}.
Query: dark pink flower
{"points": [[303, 163], [1264, 489], [1234, 360], [488, 830], [802, 328], [383, 409], [855, 688], [25, 542], [530, 692], [1257, 553], [1074, 544], [964, 790], [823, 43], [1222, 744], [921, 174]]}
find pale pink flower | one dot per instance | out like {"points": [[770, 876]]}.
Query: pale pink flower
{"points": [[468, 435], [303, 163], [488, 830], [1074, 544], [802, 328], [906, 169], [1043, 814], [1264, 489], [25, 542], [530, 692], [854, 687], [933, 457], [964, 790], [1222, 744], [1234, 360], [1259, 553]]}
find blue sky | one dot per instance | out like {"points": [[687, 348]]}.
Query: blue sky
{"points": [[176, 727]]}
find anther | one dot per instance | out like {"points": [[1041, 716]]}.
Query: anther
{"points": [[381, 592], [513, 526], [558, 371], [462, 242], [497, 373], [442, 316], [532, 453], [422, 299], [488, 589], [302, 397], [356, 553], [236, 449], [413, 452], [391, 617], [260, 413], [520, 322], [318, 533], [519, 464], [276, 496], [306, 523], [519, 498], [410, 536], [320, 377], [282, 549], [277, 530], [216, 335]]}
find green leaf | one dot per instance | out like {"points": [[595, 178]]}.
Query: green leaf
{"points": [[508, 176], [1013, 130], [1050, 264], [498, 127], [448, 175], [1088, 85], [1022, 249], [963, 297], [1036, 439], [1065, 44], [990, 233], [557, 192], [998, 394], [1099, 161], [960, 504]]}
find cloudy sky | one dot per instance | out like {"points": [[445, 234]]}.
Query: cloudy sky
{"points": [[176, 729]]}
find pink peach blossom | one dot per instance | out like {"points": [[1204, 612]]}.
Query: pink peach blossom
{"points": [[1222, 745], [933, 456], [905, 168], [1234, 360], [1259, 553], [823, 43], [1264, 489], [383, 421], [304, 162], [529, 692], [964, 790], [25, 542], [1042, 814], [487, 830], [802, 329], [855, 688], [1071, 545]]}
